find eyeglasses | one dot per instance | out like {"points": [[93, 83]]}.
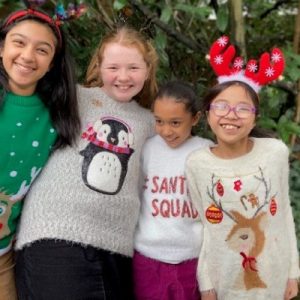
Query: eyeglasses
{"points": [[241, 110]]}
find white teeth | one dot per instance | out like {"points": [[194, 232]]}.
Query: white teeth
{"points": [[24, 68], [227, 126], [123, 87]]}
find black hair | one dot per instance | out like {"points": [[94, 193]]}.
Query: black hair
{"points": [[182, 92], [57, 89], [219, 88]]}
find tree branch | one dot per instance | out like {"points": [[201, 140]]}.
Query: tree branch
{"points": [[214, 4], [163, 26], [274, 7]]}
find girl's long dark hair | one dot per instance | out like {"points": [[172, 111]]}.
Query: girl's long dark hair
{"points": [[57, 89]]}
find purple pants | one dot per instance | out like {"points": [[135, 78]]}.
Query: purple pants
{"points": [[156, 280]]}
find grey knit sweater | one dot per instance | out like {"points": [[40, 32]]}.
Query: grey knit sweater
{"points": [[89, 193]]}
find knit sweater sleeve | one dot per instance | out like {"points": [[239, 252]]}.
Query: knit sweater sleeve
{"points": [[294, 271], [195, 195]]}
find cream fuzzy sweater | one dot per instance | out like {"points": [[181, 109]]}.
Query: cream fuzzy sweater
{"points": [[249, 249], [169, 227], [89, 193]]}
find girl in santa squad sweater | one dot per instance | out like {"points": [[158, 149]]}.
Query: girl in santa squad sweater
{"points": [[169, 232], [240, 188]]}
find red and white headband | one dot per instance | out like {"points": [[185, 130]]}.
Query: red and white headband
{"points": [[61, 15], [230, 68]]}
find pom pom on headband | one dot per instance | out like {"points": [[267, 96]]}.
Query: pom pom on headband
{"points": [[61, 15], [229, 68]]}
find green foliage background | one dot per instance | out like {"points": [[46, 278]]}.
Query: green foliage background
{"points": [[182, 32]]}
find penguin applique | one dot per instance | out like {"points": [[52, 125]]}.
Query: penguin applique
{"points": [[106, 157]]}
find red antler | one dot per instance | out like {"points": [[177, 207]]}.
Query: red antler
{"points": [[222, 54], [267, 70], [221, 58]]}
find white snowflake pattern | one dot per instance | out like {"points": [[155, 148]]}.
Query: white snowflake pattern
{"points": [[218, 59], [238, 63], [35, 144], [222, 41], [276, 57], [269, 72], [13, 173], [252, 67]]}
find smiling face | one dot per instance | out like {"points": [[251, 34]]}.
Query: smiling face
{"points": [[230, 130], [173, 121], [123, 71], [27, 53]]}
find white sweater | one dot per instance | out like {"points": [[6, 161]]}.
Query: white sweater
{"points": [[89, 193], [169, 228], [245, 208]]}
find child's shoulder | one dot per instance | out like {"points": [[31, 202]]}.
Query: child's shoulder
{"points": [[270, 145], [202, 142], [143, 111], [153, 140], [86, 93], [201, 153]]}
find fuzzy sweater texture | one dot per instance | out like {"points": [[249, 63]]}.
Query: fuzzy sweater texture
{"points": [[249, 248], [169, 227], [88, 193]]}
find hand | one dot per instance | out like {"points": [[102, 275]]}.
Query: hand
{"points": [[209, 295], [291, 290]]}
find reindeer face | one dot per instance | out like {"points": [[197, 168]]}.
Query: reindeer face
{"points": [[241, 239], [247, 235]]}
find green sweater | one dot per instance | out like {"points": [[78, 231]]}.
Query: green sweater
{"points": [[26, 139]]}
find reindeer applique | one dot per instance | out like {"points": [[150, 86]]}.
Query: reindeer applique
{"points": [[8, 201], [247, 236]]}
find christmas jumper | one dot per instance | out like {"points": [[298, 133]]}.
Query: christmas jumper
{"points": [[169, 228], [249, 248], [26, 139], [88, 193]]}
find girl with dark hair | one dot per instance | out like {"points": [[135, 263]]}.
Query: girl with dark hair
{"points": [[240, 188], [38, 112], [169, 232]]}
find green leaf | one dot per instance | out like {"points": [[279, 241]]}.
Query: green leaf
{"points": [[222, 17], [201, 12], [292, 128], [166, 14], [266, 122], [160, 41], [119, 4]]}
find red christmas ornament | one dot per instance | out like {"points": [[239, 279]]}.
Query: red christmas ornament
{"points": [[213, 214], [220, 188], [273, 206], [237, 185]]}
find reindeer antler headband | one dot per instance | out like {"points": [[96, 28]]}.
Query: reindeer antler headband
{"points": [[61, 15], [229, 68]]}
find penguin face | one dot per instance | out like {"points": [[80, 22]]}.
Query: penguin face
{"points": [[113, 132], [103, 132]]}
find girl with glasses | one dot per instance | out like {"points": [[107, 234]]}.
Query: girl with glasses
{"points": [[240, 188]]}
